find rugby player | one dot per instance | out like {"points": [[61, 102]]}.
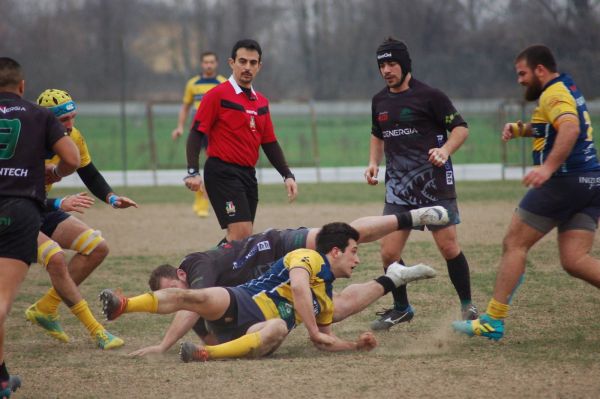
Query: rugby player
{"points": [[253, 319]]}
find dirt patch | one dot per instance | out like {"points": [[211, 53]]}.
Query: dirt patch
{"points": [[551, 349]]}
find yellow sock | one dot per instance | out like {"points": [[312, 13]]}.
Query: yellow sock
{"points": [[497, 310], [81, 310], [240, 347], [201, 204], [49, 302], [142, 303]]}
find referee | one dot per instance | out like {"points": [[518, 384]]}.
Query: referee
{"points": [[236, 120]]}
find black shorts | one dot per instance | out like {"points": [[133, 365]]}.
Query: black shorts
{"points": [[232, 191], [51, 220], [566, 202], [449, 204], [242, 314], [20, 220]]}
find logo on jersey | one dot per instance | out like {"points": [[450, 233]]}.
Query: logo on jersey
{"points": [[449, 118], [406, 115], [399, 132], [285, 310], [316, 307], [252, 123], [383, 116], [230, 208], [6, 110], [258, 247]]}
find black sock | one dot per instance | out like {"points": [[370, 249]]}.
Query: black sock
{"points": [[400, 295], [387, 283], [3, 372], [404, 220], [458, 270]]}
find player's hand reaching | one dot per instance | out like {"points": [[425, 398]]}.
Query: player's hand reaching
{"points": [[155, 349], [76, 203], [438, 156], [371, 174], [366, 341], [121, 202]]}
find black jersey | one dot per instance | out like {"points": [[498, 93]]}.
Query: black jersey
{"points": [[410, 123], [237, 262], [27, 134]]}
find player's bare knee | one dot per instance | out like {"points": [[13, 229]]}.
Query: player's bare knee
{"points": [[100, 252], [274, 334]]}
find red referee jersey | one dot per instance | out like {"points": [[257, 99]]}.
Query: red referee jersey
{"points": [[235, 124]]}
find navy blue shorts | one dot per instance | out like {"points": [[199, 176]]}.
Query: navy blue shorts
{"points": [[51, 220], [20, 220], [566, 202], [242, 314], [449, 204]]}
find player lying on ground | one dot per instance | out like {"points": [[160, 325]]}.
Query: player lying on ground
{"points": [[240, 261], [253, 319]]}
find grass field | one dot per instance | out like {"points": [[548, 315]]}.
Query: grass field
{"points": [[342, 141], [551, 348]]}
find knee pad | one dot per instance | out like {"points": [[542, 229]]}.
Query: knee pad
{"points": [[46, 251], [87, 241]]}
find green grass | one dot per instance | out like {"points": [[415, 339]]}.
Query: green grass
{"points": [[551, 347], [322, 193], [342, 141]]}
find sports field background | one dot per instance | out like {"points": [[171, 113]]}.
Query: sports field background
{"points": [[342, 141], [551, 348]]}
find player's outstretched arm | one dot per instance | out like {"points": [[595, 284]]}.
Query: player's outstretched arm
{"points": [[365, 342], [182, 323]]}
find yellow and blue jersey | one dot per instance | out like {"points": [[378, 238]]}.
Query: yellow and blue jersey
{"points": [[272, 291], [560, 97], [197, 87], [84, 153]]}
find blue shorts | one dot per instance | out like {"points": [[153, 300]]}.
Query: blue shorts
{"points": [[242, 314], [449, 204], [566, 202], [51, 220]]}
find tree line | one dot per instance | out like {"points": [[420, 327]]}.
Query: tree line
{"points": [[312, 49]]}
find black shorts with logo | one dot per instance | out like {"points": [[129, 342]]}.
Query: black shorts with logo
{"points": [[232, 190], [20, 220]]}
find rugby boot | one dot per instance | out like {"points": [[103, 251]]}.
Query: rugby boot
{"points": [[105, 340], [190, 352], [48, 322], [402, 275], [431, 215], [390, 317], [484, 326], [469, 312], [10, 386], [113, 303]]}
